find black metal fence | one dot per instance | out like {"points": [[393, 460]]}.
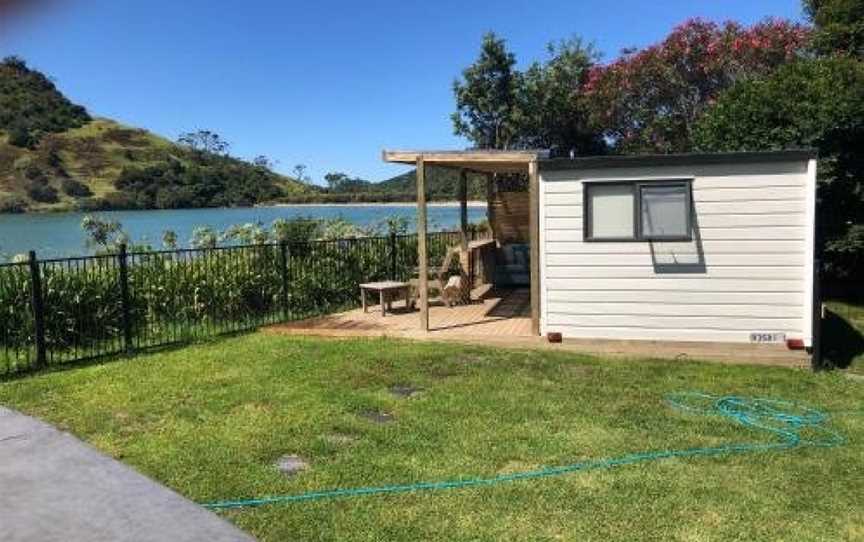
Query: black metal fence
{"points": [[57, 311]]}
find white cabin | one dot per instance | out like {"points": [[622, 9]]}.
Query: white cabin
{"points": [[709, 247]]}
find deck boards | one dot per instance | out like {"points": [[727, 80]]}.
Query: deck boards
{"points": [[505, 313]]}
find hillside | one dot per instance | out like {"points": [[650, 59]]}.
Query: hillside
{"points": [[443, 186], [54, 156]]}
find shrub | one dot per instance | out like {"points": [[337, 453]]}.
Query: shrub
{"points": [[20, 136], [12, 204], [34, 173], [76, 189], [813, 103], [42, 192]]}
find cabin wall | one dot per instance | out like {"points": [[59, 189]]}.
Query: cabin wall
{"points": [[748, 269]]}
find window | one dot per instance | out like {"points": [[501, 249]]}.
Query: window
{"points": [[638, 211], [665, 211]]}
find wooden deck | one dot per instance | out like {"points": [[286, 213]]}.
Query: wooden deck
{"points": [[506, 313], [503, 320]]}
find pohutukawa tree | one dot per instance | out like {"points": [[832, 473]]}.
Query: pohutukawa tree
{"points": [[649, 100]]}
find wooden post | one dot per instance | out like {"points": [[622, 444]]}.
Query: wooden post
{"points": [[490, 199], [463, 207], [464, 256], [534, 236], [422, 253]]}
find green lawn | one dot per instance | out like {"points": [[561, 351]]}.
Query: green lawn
{"points": [[209, 421], [843, 335]]}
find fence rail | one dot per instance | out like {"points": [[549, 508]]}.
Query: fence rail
{"points": [[62, 310]]}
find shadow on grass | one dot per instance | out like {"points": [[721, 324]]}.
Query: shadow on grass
{"points": [[841, 341]]}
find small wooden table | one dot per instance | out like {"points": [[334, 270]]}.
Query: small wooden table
{"points": [[387, 290]]}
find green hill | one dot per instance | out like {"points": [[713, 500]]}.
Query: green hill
{"points": [[54, 156], [442, 186]]}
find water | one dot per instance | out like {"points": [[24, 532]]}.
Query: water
{"points": [[60, 235]]}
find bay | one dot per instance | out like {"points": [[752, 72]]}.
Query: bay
{"points": [[56, 235]]}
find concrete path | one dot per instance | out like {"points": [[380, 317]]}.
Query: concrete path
{"points": [[53, 487]]}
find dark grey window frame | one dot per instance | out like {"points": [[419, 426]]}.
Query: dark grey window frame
{"points": [[636, 186]]}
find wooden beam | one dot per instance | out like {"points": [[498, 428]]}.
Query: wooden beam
{"points": [[476, 156], [422, 252], [534, 234], [490, 199]]}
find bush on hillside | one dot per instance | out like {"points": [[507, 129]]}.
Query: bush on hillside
{"points": [[13, 204], [42, 192], [75, 189], [221, 182]]}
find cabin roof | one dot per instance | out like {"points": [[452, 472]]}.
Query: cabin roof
{"points": [[508, 161]]}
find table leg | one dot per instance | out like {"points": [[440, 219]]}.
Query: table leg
{"points": [[407, 292], [381, 300], [363, 298]]}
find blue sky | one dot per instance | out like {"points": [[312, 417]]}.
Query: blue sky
{"points": [[323, 83]]}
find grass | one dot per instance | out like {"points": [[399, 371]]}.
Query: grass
{"points": [[210, 420], [843, 335]]}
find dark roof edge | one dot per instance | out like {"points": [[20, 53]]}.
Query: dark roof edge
{"points": [[591, 162]]}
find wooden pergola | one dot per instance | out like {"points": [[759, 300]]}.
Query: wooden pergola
{"points": [[488, 163]]}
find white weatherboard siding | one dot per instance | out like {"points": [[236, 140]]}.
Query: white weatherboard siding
{"points": [[747, 270]]}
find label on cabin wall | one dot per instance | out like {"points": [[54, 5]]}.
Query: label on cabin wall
{"points": [[758, 337]]}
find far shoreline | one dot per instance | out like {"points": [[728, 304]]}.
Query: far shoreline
{"points": [[474, 203], [63, 210]]}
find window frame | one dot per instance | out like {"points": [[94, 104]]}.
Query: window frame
{"points": [[636, 189]]}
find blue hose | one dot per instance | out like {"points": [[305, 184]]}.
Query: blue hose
{"points": [[784, 420]]}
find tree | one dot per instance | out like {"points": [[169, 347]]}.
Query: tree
{"points": [[811, 103], [263, 161], [169, 239], [300, 175], [296, 230], [839, 26], [335, 180], [487, 97], [553, 113], [106, 235], [204, 142], [649, 100], [204, 237]]}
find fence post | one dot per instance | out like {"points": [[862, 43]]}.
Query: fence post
{"points": [[816, 360], [392, 255], [38, 310], [123, 259], [283, 250]]}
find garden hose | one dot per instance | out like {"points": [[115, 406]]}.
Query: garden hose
{"points": [[783, 420]]}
